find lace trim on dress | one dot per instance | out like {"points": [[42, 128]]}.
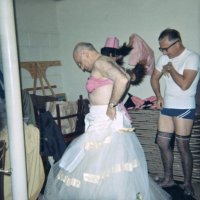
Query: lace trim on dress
{"points": [[96, 145], [97, 178], [68, 181]]}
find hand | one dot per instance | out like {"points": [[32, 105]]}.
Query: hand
{"points": [[160, 102], [166, 68], [111, 113]]}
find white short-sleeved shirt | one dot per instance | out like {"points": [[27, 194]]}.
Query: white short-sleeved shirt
{"points": [[174, 96]]}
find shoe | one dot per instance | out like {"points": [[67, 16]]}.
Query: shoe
{"points": [[189, 197], [188, 191], [165, 184]]}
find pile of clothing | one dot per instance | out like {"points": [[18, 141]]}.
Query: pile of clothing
{"points": [[134, 102]]}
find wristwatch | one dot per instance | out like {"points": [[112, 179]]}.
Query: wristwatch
{"points": [[112, 105]]}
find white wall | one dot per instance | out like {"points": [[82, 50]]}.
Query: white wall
{"points": [[38, 38], [49, 30], [93, 21]]}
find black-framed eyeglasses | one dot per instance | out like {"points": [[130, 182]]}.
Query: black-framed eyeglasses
{"points": [[166, 49]]}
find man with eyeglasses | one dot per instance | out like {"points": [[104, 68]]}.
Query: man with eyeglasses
{"points": [[180, 69]]}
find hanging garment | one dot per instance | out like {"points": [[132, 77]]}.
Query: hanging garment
{"points": [[52, 141], [134, 102], [27, 107], [34, 164], [141, 52], [2, 92]]}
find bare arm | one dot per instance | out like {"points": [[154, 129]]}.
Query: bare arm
{"points": [[183, 81], [120, 78], [155, 77]]}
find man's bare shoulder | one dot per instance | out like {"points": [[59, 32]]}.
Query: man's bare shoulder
{"points": [[103, 63]]}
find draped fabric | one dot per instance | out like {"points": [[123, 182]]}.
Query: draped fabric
{"points": [[107, 162], [52, 140], [35, 170], [141, 51], [2, 92], [28, 109]]}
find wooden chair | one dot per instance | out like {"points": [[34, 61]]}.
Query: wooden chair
{"points": [[83, 109], [39, 103]]}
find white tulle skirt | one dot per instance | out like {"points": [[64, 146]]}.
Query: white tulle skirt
{"points": [[107, 162]]}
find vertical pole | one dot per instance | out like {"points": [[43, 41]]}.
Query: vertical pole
{"points": [[13, 100]]}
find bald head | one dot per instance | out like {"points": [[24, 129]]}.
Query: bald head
{"points": [[81, 46], [85, 55]]}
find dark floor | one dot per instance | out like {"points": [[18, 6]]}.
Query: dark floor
{"points": [[177, 192]]}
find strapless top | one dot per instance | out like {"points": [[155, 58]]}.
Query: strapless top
{"points": [[94, 83]]}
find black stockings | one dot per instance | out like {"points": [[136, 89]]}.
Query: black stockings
{"points": [[187, 161], [165, 143]]}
